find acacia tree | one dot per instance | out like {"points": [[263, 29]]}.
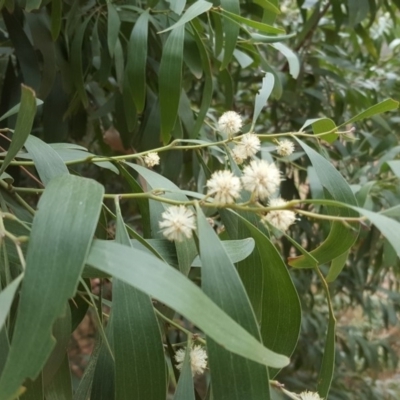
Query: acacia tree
{"points": [[232, 200]]}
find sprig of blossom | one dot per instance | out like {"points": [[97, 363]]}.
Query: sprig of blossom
{"points": [[224, 186], [230, 123], [151, 159], [198, 359], [310, 396], [261, 178], [281, 219], [178, 223], [285, 147], [249, 146]]}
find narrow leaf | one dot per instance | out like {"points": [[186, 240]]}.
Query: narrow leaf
{"points": [[384, 106], [185, 388], [139, 350], [26, 116], [221, 282], [74, 203], [170, 81], [230, 29], [196, 9], [292, 59], [6, 299], [113, 25], [262, 96], [169, 286]]}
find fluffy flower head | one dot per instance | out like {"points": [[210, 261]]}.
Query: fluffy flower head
{"points": [[261, 178], [178, 223], [310, 396], [281, 219], [249, 145], [230, 123], [151, 159], [224, 186], [285, 147], [198, 359]]}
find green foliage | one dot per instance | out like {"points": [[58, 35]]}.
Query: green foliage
{"points": [[105, 85]]}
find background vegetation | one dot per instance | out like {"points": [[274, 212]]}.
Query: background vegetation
{"points": [[114, 79]]}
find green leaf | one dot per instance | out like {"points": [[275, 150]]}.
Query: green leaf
{"points": [[169, 286], [139, 346], [262, 96], [185, 387], [177, 6], [6, 299], [328, 360], [23, 126], [266, 5], [337, 266], [16, 108], [292, 59], [137, 59], [170, 81], [279, 330], [257, 38], [196, 9], [60, 387], [113, 25], [47, 162], [221, 282], [56, 17], [384, 106], [76, 61], [340, 237], [237, 250], [249, 22], [66, 219], [230, 28]]}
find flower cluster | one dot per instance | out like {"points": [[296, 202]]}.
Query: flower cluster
{"points": [[285, 148], [151, 159], [224, 186], [310, 396], [178, 223], [261, 178], [248, 146], [281, 219], [198, 359], [230, 123]]}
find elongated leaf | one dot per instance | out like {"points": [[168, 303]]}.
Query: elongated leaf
{"points": [[6, 299], [384, 106], [328, 360], [292, 59], [16, 108], [337, 266], [221, 282], [113, 25], [60, 387], [137, 58], [23, 126], [262, 96], [279, 330], [170, 81], [56, 15], [177, 6], [76, 62], [185, 388], [196, 9], [166, 284], [249, 22], [47, 162], [139, 350], [230, 29], [340, 237], [52, 273]]}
